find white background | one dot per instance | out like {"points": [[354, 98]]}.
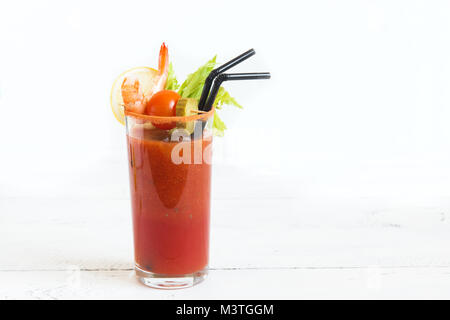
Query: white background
{"points": [[339, 162]]}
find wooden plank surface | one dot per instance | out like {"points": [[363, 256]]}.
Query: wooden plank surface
{"points": [[357, 283], [268, 240]]}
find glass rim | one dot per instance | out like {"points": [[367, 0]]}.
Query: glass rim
{"points": [[158, 119]]}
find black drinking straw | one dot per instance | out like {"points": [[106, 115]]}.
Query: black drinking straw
{"points": [[230, 77], [213, 74]]}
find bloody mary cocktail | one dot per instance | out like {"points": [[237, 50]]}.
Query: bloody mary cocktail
{"points": [[170, 197], [169, 138]]}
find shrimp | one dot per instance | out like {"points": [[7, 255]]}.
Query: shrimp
{"points": [[163, 68], [134, 98]]}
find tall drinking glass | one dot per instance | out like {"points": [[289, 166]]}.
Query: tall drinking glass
{"points": [[170, 180]]}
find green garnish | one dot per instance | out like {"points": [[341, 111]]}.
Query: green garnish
{"points": [[193, 85], [192, 88], [171, 83], [224, 98], [219, 126]]}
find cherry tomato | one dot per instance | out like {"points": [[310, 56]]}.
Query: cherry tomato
{"points": [[162, 104]]}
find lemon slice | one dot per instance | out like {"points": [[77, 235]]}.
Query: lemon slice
{"points": [[147, 78]]}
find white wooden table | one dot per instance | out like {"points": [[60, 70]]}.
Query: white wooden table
{"points": [[269, 240]]}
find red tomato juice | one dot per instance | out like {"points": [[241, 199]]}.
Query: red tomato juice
{"points": [[170, 205]]}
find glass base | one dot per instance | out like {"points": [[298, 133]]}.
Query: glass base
{"points": [[168, 281]]}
